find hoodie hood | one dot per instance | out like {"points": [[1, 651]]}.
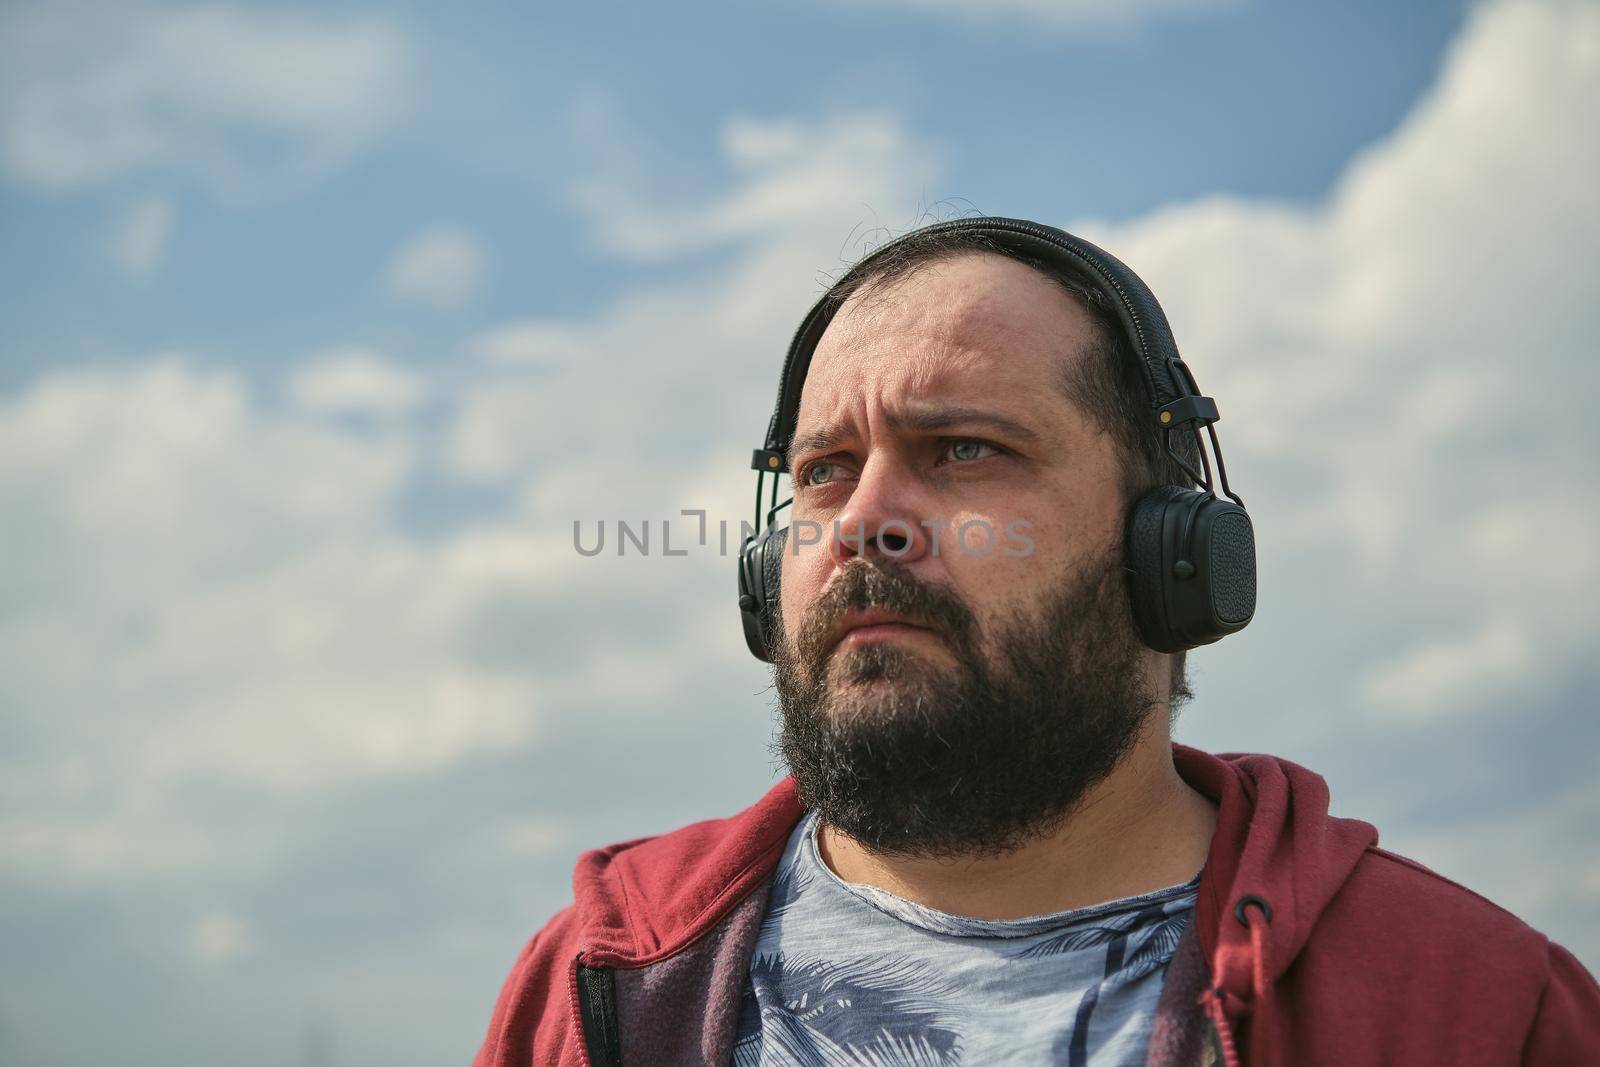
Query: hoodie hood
{"points": [[645, 900], [1276, 861], [1275, 842]]}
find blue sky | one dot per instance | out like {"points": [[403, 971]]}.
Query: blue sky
{"points": [[324, 325], [488, 118]]}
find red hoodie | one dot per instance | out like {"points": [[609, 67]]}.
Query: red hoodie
{"points": [[1310, 945]]}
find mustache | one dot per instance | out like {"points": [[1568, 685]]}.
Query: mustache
{"points": [[886, 585]]}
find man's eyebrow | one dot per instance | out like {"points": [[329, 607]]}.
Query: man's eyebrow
{"points": [[815, 441], [921, 419]]}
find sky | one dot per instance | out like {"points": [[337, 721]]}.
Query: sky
{"points": [[324, 325]]}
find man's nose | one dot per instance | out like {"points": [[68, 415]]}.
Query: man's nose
{"points": [[884, 516]]}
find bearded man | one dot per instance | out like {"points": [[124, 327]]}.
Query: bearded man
{"points": [[1005, 534]]}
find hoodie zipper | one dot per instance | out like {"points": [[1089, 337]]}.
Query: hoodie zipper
{"points": [[597, 1006], [1214, 1052]]}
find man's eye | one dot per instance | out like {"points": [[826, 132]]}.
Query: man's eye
{"points": [[818, 473], [965, 451]]}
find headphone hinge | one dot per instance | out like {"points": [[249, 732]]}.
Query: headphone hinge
{"points": [[768, 460], [1200, 410]]}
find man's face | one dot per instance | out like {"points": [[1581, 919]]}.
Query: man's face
{"points": [[939, 688]]}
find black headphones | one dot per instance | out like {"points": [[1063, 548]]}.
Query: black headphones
{"points": [[1189, 555]]}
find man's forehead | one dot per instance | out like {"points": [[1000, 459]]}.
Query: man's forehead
{"points": [[981, 331], [977, 300]]}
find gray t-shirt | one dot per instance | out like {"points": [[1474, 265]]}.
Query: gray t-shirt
{"points": [[849, 974]]}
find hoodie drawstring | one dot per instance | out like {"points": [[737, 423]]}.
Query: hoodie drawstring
{"points": [[1222, 1002], [1260, 1027]]}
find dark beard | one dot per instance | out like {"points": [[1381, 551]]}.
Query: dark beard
{"points": [[975, 759]]}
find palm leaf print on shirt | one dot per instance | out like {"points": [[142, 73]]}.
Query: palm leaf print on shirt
{"points": [[1071, 941], [1080, 937], [869, 1010], [787, 884], [1154, 934], [1155, 948]]}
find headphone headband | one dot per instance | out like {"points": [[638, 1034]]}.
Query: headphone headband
{"points": [[1175, 398]]}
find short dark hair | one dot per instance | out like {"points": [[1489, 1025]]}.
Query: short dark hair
{"points": [[1107, 382]]}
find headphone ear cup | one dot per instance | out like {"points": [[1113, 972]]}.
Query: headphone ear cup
{"points": [[749, 602], [1146, 589], [1191, 565], [760, 565], [1228, 541]]}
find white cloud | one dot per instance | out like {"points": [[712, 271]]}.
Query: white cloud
{"points": [[1399, 372], [790, 173], [690, 352], [531, 835], [218, 937], [140, 242], [529, 342], [240, 97], [441, 268], [356, 381], [1533, 857], [1430, 680], [251, 615]]}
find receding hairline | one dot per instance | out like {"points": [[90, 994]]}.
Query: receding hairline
{"points": [[871, 297], [877, 283]]}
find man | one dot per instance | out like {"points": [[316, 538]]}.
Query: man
{"points": [[989, 849]]}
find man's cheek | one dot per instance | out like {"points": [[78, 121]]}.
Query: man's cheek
{"points": [[803, 534], [798, 589]]}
